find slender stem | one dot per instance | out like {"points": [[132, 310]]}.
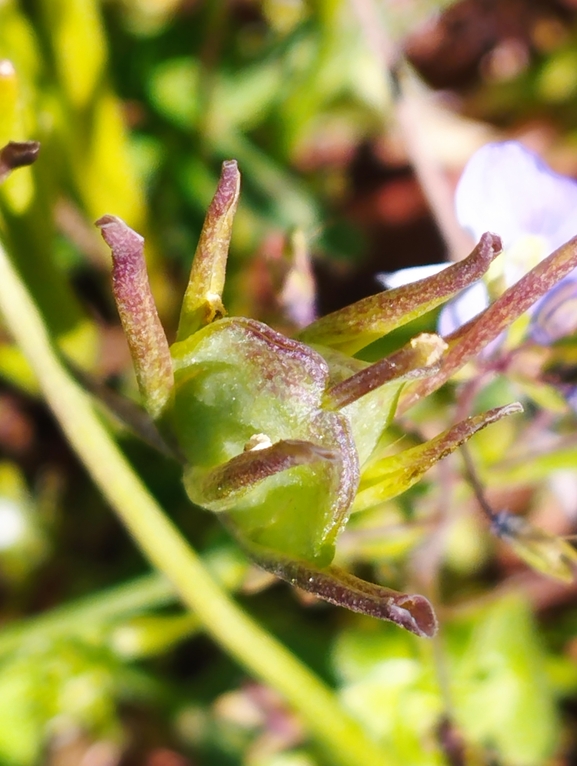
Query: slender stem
{"points": [[408, 103], [341, 737], [121, 602], [478, 489]]}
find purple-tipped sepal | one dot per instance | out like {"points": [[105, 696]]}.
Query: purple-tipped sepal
{"points": [[146, 339]]}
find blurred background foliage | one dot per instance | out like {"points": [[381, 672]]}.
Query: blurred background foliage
{"points": [[136, 104]]}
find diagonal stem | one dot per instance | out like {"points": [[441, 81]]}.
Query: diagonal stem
{"points": [[74, 618], [342, 738]]}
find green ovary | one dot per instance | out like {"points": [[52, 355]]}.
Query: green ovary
{"points": [[234, 380]]}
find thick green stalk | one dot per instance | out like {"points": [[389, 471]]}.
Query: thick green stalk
{"points": [[341, 737]]}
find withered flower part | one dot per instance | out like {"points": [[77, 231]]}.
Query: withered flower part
{"points": [[17, 155]]}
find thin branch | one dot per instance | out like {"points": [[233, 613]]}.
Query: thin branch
{"points": [[478, 489]]}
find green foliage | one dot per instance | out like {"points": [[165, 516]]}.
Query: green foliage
{"points": [[503, 695], [496, 684], [59, 686], [136, 105]]}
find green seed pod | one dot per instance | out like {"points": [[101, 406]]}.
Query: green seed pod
{"points": [[277, 434]]}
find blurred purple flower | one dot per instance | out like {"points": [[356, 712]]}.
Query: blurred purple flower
{"points": [[508, 189]]}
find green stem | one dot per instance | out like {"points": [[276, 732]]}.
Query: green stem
{"points": [[343, 739], [80, 616]]}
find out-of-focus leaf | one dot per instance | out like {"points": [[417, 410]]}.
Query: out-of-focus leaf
{"points": [[19, 188], [78, 46], [21, 724], [104, 173], [242, 101], [531, 467], [173, 88], [503, 698], [56, 689], [392, 690], [557, 81], [152, 635]]}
